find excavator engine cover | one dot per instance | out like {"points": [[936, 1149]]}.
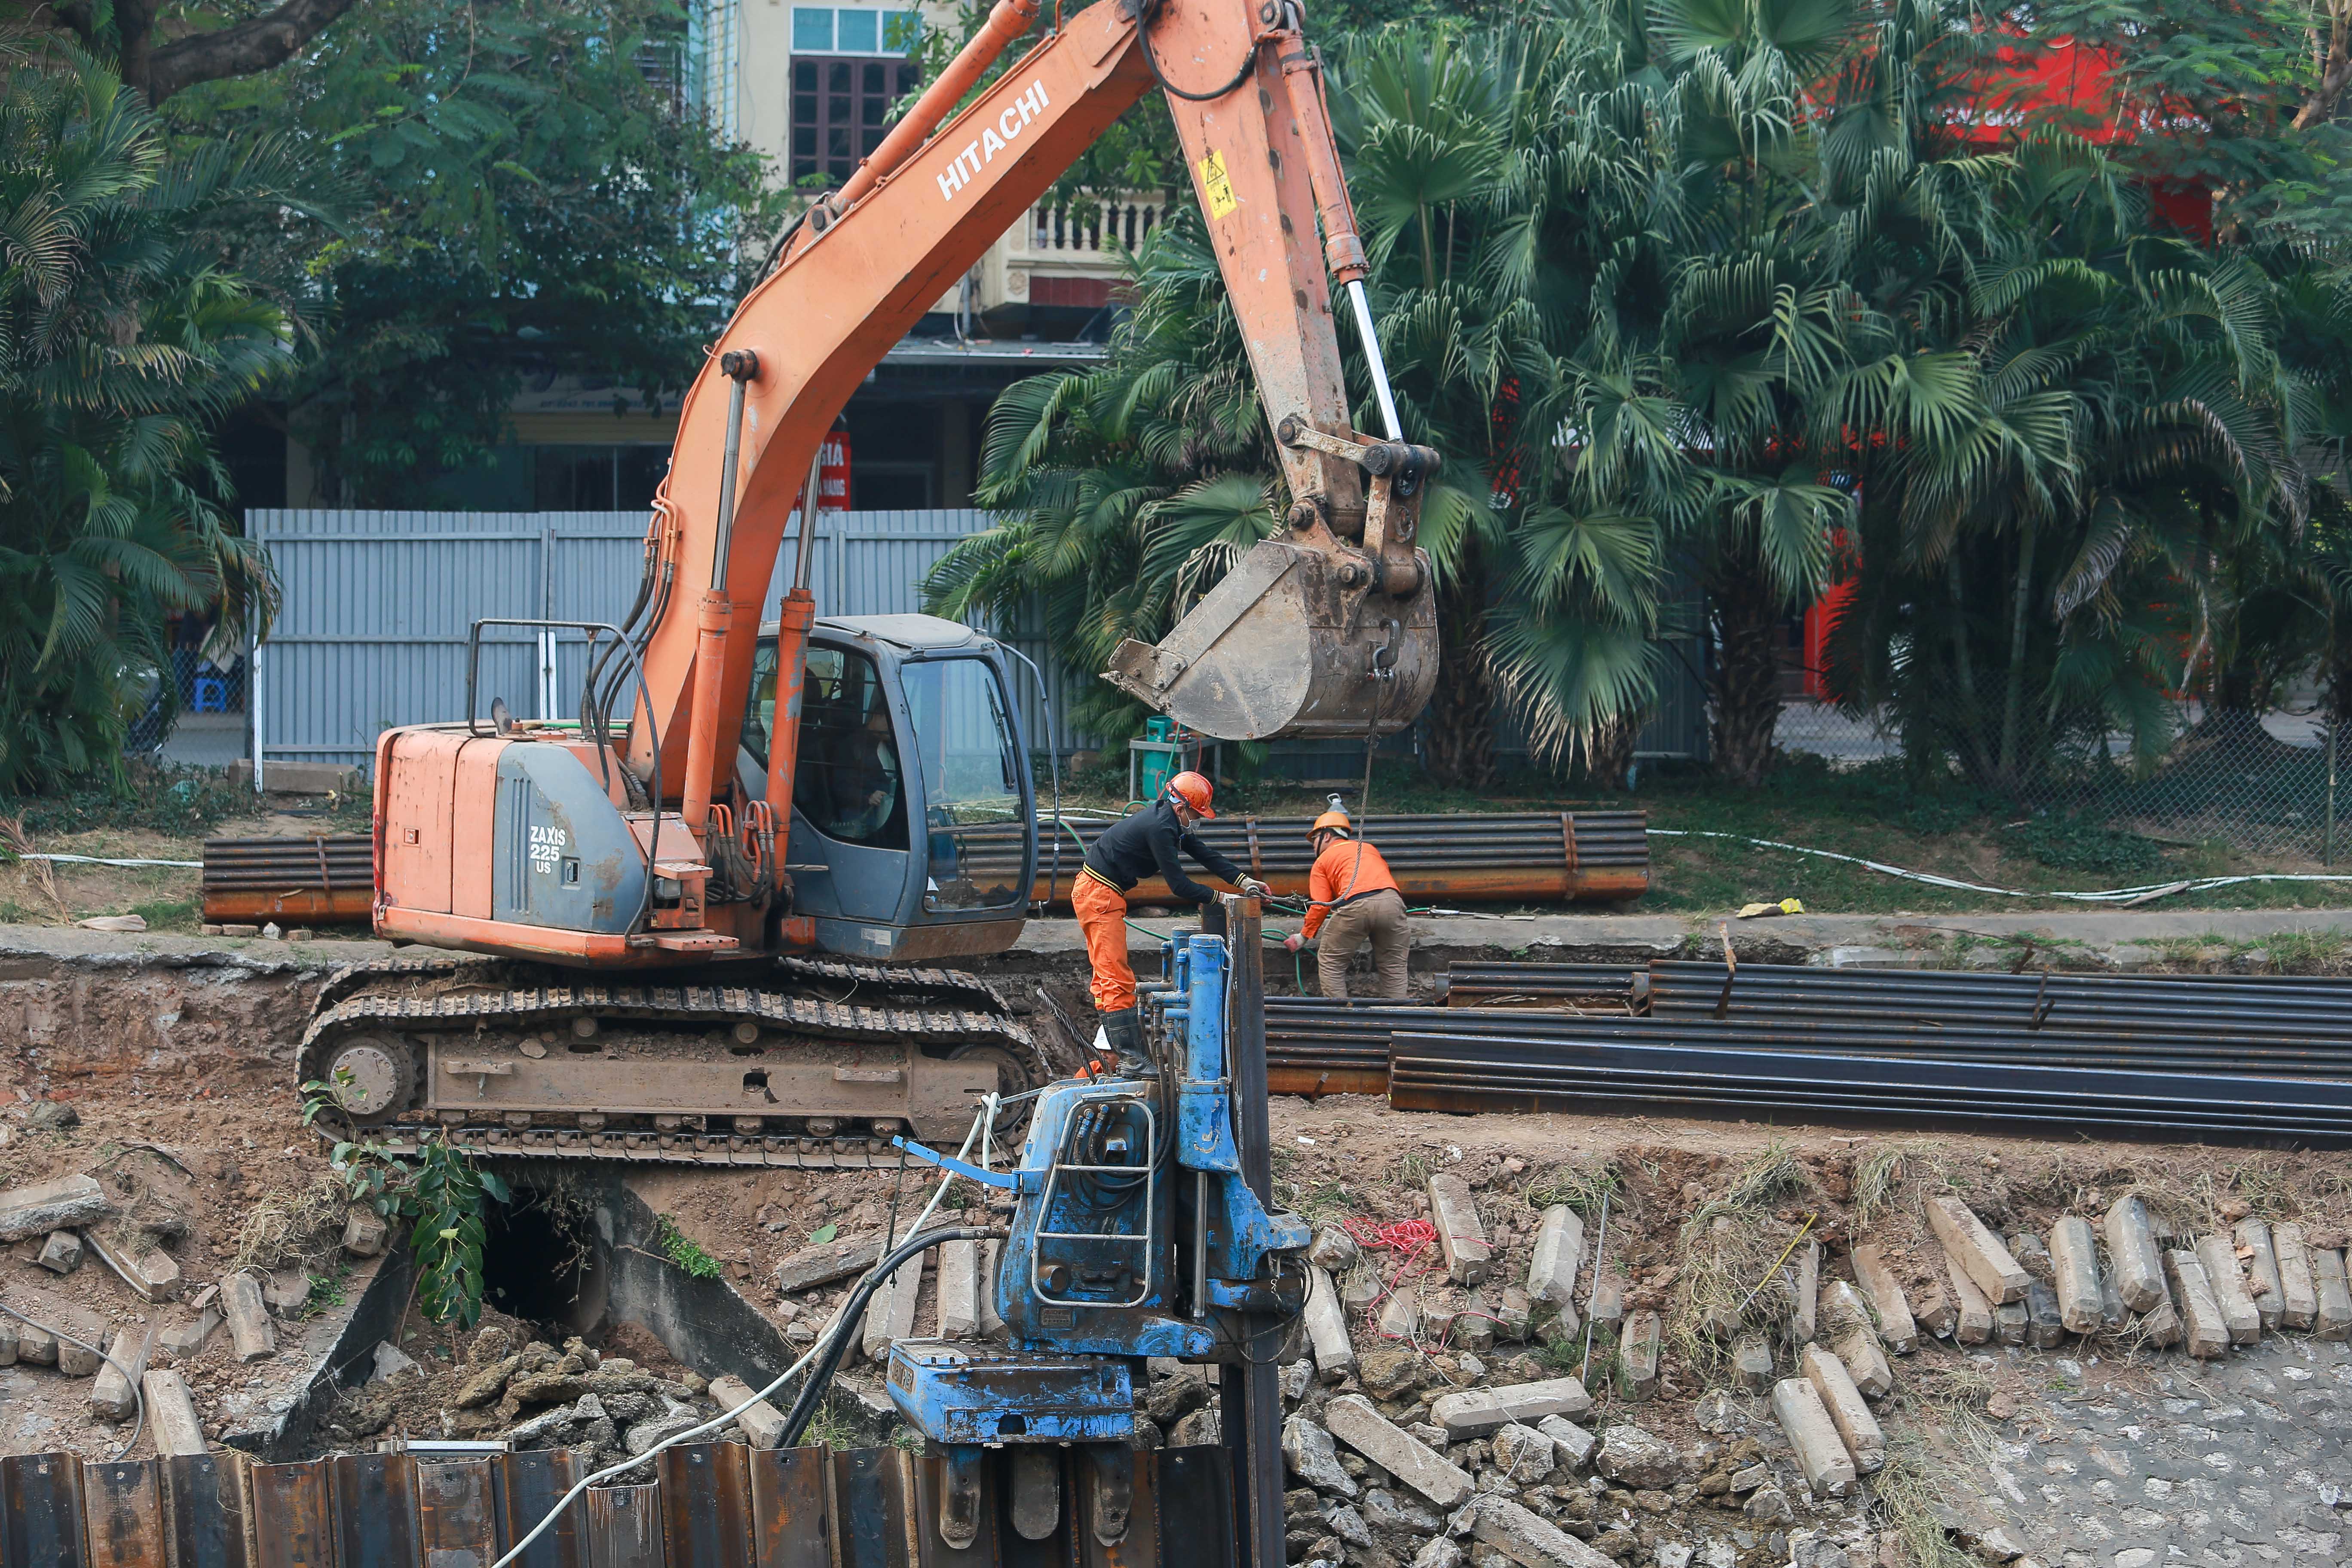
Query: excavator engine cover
{"points": [[1294, 641]]}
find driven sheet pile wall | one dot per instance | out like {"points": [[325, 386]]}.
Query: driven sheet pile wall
{"points": [[714, 1505]]}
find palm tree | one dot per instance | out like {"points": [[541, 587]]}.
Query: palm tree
{"points": [[122, 343]]}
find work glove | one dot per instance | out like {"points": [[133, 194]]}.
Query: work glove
{"points": [[1292, 942], [1254, 889]]}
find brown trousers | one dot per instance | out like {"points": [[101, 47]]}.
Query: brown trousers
{"points": [[1378, 919]]}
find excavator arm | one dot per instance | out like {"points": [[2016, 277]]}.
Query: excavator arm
{"points": [[1328, 630]]}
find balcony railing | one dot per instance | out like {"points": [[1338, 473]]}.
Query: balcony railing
{"points": [[1087, 230]]}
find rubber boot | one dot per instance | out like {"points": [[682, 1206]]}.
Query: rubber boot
{"points": [[1124, 1030]]}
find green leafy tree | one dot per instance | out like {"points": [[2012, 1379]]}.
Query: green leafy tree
{"points": [[123, 341]]}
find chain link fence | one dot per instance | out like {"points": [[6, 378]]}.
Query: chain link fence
{"points": [[2249, 784]]}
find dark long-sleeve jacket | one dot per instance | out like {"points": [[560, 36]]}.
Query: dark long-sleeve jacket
{"points": [[1138, 846]]}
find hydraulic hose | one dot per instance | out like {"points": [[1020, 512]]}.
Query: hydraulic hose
{"points": [[820, 1376]]}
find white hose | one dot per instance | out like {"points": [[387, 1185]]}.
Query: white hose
{"points": [[979, 1130]]}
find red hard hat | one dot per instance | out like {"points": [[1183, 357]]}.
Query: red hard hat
{"points": [[1193, 790]]}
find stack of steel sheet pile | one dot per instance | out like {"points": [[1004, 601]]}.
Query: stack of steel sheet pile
{"points": [[2177, 1055], [326, 880]]}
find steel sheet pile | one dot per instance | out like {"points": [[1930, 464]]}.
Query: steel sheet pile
{"points": [[2185, 1056], [326, 880]]}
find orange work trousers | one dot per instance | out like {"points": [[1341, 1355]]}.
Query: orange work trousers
{"points": [[1101, 910]]}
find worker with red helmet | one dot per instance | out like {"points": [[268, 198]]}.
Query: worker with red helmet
{"points": [[1145, 844], [1353, 899]]}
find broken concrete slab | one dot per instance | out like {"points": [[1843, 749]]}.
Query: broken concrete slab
{"points": [[288, 1292], [1859, 1349], [2131, 1248], [1518, 1533], [821, 1265], [1931, 1308], [1575, 1444], [81, 1334], [1972, 1321], [171, 1415], [1327, 1327], [991, 1325], [1637, 1459], [61, 1253], [149, 1271], [1552, 1266], [1637, 1357], [1399, 1317], [1752, 1362], [1848, 1411], [2298, 1286], [1841, 1310], [2205, 1333], [2219, 1256], [2161, 1324], [2335, 1290], [761, 1423], [112, 1395], [365, 1232], [1468, 1412], [2011, 1322], [1821, 1456], [2261, 1268], [959, 1290], [891, 1312], [1333, 1250], [65, 1203], [249, 1319], [188, 1337], [2074, 1265], [1897, 1331], [1416, 1465], [1522, 1453], [1805, 1324], [1306, 1449], [1977, 1251], [391, 1362], [1461, 1235], [1513, 1312]]}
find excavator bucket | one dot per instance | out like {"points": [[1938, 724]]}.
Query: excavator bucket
{"points": [[1293, 643]]}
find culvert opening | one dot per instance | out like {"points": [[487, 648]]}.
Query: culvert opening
{"points": [[540, 1263]]}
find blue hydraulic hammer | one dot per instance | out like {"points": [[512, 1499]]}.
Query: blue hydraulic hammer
{"points": [[1138, 1228]]}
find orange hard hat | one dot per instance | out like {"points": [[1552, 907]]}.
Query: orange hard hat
{"points": [[1334, 820], [1193, 790]]}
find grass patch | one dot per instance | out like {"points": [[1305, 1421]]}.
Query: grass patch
{"points": [[684, 1253], [184, 915], [1580, 1185], [1730, 1253]]}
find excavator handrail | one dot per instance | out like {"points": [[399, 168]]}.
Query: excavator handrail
{"points": [[643, 916]]}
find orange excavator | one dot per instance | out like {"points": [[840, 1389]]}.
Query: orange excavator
{"points": [[712, 920]]}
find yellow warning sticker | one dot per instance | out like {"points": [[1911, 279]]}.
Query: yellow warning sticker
{"points": [[1215, 187]]}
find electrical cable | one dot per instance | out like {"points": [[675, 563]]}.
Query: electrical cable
{"points": [[138, 1397]]}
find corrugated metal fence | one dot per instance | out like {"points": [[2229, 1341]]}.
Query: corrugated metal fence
{"points": [[378, 605]]}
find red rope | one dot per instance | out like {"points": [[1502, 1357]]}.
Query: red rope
{"points": [[1407, 1241]]}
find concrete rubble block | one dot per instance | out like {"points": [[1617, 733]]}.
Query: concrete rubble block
{"points": [[1389, 1371], [78, 1355], [1524, 1537], [1841, 1308], [1469, 1413], [1931, 1309], [2262, 1270], [1807, 1317], [1574, 1444], [112, 1395], [2114, 1316], [1522, 1453], [1440, 1551], [991, 1325], [1636, 1459], [1399, 1317], [1459, 1234], [61, 1253], [1327, 1327], [67, 1203], [1439, 1308], [288, 1292], [1306, 1449], [1637, 1357], [1361, 1286], [249, 1328], [1978, 1251], [645, 1434], [2161, 1326], [2131, 1249], [1297, 1377], [1416, 1465], [1513, 1313], [821, 1265], [1552, 1266], [391, 1362], [2074, 1270], [1390, 1513], [2298, 1288], [365, 1232], [1897, 1331], [2227, 1281], [149, 1271], [171, 1415], [1333, 1250], [1848, 1411], [2032, 1256], [1972, 1321], [761, 1423], [2205, 1333], [1348, 1524], [186, 1337], [1751, 1360], [1474, 1326], [2335, 1292], [1859, 1349], [2045, 1326], [1608, 1299], [36, 1346], [890, 1314], [2012, 1322], [1821, 1456], [959, 1290]]}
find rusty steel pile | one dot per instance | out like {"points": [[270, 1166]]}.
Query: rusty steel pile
{"points": [[326, 880], [2267, 1058]]}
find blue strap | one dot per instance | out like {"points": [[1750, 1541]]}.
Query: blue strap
{"points": [[950, 1163]]}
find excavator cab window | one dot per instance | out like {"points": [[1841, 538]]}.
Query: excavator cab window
{"points": [[975, 817], [850, 781]]}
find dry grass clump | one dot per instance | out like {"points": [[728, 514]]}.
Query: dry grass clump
{"points": [[1731, 1261], [293, 1230]]}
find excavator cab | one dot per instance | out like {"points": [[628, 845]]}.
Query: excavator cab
{"points": [[913, 804]]}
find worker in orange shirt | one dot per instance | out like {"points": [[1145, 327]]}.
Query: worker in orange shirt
{"points": [[1353, 900]]}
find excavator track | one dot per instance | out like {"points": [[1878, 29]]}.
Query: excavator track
{"points": [[815, 1066]]}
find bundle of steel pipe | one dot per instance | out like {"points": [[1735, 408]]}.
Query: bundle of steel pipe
{"points": [[1707, 1064], [1542, 856], [326, 880], [1540, 984]]}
